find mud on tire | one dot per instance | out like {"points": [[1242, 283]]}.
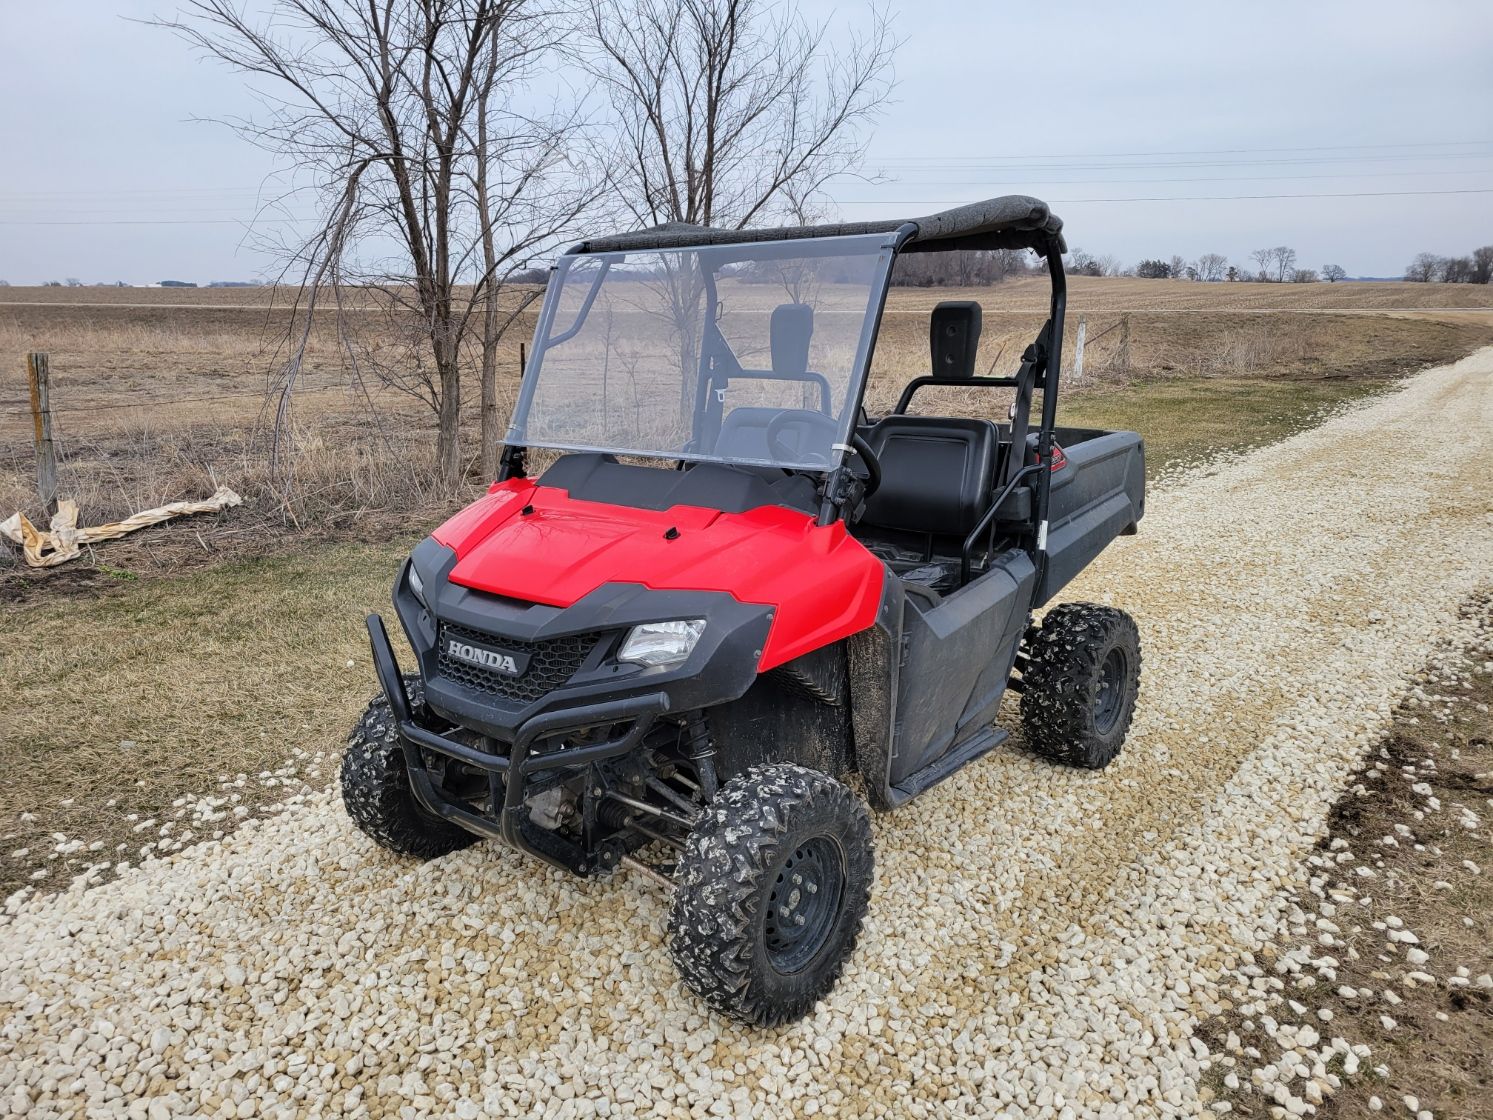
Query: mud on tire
{"points": [[376, 787], [770, 893], [1081, 677]]}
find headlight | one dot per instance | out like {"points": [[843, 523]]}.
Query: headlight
{"points": [[417, 587], [661, 643]]}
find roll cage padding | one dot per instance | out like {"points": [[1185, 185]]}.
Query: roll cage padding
{"points": [[1013, 221]]}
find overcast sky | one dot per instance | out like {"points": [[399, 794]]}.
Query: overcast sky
{"points": [[110, 178]]}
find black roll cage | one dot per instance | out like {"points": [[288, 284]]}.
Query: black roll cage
{"points": [[839, 488]]}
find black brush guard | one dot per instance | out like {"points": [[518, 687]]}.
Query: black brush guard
{"points": [[508, 776]]}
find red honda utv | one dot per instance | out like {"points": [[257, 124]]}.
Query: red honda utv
{"points": [[729, 589]]}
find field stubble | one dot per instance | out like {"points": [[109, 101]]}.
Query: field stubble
{"points": [[159, 392]]}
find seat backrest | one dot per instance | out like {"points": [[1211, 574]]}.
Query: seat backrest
{"points": [[744, 433], [936, 473], [790, 329], [954, 337]]}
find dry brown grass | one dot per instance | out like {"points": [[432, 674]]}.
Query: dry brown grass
{"points": [[161, 393], [150, 690]]}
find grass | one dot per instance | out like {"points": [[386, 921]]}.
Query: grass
{"points": [[220, 671], [1187, 420]]}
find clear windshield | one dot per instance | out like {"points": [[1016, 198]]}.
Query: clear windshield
{"points": [[735, 353]]}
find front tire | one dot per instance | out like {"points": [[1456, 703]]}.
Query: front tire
{"points": [[770, 893], [376, 787], [1080, 683]]}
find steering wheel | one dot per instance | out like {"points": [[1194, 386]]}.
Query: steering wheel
{"points": [[807, 418], [775, 444], [873, 464]]}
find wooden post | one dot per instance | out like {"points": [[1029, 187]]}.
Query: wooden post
{"points": [[1122, 354], [37, 373], [1083, 327]]}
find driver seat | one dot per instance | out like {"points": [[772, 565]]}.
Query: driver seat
{"points": [[936, 482], [937, 472]]}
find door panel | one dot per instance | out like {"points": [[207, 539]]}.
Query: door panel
{"points": [[956, 661]]}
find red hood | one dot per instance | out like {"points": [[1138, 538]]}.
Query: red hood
{"points": [[823, 582]]}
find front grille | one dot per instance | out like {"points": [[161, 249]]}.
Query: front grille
{"points": [[551, 663]]}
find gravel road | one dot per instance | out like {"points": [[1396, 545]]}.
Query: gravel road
{"points": [[1041, 941]]}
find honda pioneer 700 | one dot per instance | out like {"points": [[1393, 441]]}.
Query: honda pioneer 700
{"points": [[730, 589]]}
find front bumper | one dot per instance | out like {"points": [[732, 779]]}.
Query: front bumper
{"points": [[538, 746]]}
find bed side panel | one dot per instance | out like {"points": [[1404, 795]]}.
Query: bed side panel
{"points": [[1099, 495]]}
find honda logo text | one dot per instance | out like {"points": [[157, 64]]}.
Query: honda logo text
{"points": [[487, 658]]}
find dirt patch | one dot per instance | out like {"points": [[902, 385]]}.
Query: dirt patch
{"points": [[1387, 951]]}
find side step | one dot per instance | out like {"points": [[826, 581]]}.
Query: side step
{"points": [[980, 743]]}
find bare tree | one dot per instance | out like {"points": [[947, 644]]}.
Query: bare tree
{"points": [[1082, 263], [1109, 265], [728, 110], [1263, 258], [1178, 268], [1457, 270], [1285, 262], [1332, 273], [963, 268], [1211, 266], [398, 113], [1482, 265], [1304, 276], [1423, 268]]}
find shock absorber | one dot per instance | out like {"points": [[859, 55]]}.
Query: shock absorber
{"points": [[699, 750]]}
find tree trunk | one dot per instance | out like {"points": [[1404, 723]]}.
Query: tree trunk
{"points": [[490, 432], [448, 435]]}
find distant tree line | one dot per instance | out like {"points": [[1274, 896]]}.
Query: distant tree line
{"points": [[1275, 265], [1476, 268], [962, 268]]}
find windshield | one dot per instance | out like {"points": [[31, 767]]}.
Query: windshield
{"points": [[745, 353]]}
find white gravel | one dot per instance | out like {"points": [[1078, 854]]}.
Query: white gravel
{"points": [[1041, 942]]}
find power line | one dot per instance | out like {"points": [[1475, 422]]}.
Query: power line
{"points": [[1168, 198], [921, 183], [847, 202], [1222, 151], [159, 222], [889, 159], [1209, 178], [1040, 168]]}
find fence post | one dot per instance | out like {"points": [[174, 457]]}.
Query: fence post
{"points": [[1122, 352], [1083, 327], [37, 374]]}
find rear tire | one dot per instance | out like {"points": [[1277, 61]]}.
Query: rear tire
{"points": [[1081, 679], [376, 787], [770, 893]]}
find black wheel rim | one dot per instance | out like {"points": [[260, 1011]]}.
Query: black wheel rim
{"points": [[1110, 700], [803, 903]]}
